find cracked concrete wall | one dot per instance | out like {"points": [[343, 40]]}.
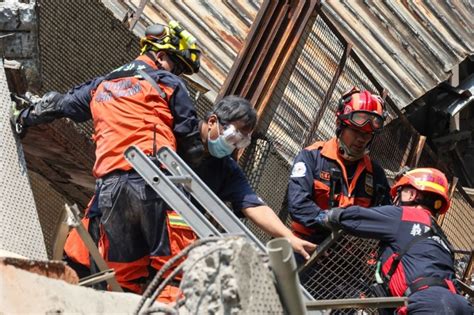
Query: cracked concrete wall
{"points": [[229, 276], [24, 292], [19, 38]]}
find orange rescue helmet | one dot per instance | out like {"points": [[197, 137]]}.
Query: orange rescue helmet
{"points": [[430, 180]]}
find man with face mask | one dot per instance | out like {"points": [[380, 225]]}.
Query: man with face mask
{"points": [[228, 127], [142, 103], [360, 115]]}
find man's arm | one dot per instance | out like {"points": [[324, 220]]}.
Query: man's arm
{"points": [[380, 223], [74, 104], [245, 202], [264, 217], [301, 205]]}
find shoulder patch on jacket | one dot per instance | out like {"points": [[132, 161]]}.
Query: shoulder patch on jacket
{"points": [[299, 170]]}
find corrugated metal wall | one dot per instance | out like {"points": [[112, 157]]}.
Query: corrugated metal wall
{"points": [[409, 46], [220, 28]]}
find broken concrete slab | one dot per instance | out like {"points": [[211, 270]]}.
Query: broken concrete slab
{"points": [[24, 292], [51, 269]]}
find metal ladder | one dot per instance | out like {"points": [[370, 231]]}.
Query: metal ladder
{"points": [[183, 175]]}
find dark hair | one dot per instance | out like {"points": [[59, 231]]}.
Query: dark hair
{"points": [[235, 108]]}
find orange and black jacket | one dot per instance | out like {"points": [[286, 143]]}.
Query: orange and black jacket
{"points": [[127, 110], [364, 183]]}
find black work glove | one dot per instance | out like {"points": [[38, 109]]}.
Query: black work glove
{"points": [[322, 219]]}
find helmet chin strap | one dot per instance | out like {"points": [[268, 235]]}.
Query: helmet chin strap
{"points": [[346, 153]]}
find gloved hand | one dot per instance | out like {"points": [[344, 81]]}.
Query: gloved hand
{"points": [[25, 102], [329, 219], [322, 219]]}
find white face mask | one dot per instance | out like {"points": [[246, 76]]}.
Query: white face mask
{"points": [[228, 141], [220, 147]]}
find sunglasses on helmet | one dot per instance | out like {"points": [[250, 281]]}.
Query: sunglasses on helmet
{"points": [[362, 118], [236, 138]]}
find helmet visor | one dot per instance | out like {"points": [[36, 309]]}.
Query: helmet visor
{"points": [[236, 138], [362, 118]]}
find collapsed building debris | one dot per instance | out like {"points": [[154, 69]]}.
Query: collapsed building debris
{"points": [[229, 277]]}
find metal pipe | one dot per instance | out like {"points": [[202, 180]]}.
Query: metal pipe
{"points": [[283, 264], [380, 302]]}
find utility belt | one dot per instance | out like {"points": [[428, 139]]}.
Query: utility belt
{"points": [[128, 173], [382, 290], [425, 283]]}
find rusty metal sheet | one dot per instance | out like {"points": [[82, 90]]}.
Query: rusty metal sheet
{"points": [[220, 28], [409, 46]]}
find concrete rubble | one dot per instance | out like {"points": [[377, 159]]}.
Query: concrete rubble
{"points": [[229, 277], [23, 292]]}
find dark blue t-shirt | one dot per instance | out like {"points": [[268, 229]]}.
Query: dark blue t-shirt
{"points": [[226, 179]]}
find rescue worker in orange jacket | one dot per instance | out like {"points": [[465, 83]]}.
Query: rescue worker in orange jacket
{"points": [[143, 103], [343, 163], [416, 258]]}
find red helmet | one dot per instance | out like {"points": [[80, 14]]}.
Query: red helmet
{"points": [[427, 180], [361, 110]]}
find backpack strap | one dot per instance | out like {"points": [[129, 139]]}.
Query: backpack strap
{"points": [[438, 231], [153, 83], [133, 72]]}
